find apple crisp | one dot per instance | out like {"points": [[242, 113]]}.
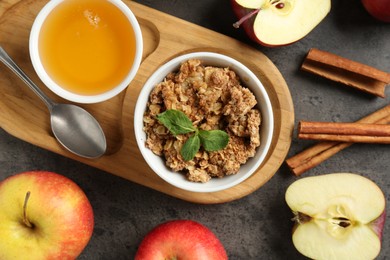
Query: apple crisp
{"points": [[212, 98]]}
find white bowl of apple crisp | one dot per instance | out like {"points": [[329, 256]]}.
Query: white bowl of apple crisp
{"points": [[203, 122]]}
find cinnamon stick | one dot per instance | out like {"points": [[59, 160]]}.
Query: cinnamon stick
{"points": [[344, 132], [347, 138], [315, 155], [348, 72]]}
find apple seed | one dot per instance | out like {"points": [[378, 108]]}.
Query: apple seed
{"points": [[278, 4], [342, 222]]}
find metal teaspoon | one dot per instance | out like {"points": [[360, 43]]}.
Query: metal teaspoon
{"points": [[75, 128]]}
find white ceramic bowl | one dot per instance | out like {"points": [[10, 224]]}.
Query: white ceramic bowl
{"points": [[249, 80], [60, 91]]}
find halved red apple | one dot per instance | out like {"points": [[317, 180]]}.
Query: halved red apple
{"points": [[337, 216], [279, 22]]}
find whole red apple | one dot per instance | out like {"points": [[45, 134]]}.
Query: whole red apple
{"points": [[380, 9], [43, 215], [279, 22], [181, 239]]}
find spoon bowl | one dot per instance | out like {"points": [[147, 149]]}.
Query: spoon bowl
{"points": [[75, 128]]}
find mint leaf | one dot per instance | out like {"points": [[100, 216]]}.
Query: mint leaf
{"points": [[213, 140], [190, 147], [176, 121]]}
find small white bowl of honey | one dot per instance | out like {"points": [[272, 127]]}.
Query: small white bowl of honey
{"points": [[86, 51]]}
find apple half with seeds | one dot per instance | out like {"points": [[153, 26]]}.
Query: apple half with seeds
{"points": [[337, 216], [279, 22]]}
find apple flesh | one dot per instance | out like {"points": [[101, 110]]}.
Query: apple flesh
{"points": [[55, 222], [181, 239], [380, 9], [279, 22], [337, 216]]}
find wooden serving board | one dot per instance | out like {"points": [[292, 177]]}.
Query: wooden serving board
{"points": [[23, 115]]}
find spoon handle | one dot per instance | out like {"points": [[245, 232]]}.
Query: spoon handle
{"points": [[6, 59]]}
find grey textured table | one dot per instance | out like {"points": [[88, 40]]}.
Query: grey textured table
{"points": [[257, 226]]}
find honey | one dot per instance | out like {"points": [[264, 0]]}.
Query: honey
{"points": [[87, 46]]}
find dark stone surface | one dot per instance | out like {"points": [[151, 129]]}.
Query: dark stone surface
{"points": [[257, 226]]}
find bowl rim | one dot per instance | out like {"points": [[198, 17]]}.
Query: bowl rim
{"points": [[71, 96], [157, 76]]}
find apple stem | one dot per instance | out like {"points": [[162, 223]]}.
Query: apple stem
{"points": [[246, 17], [25, 219]]}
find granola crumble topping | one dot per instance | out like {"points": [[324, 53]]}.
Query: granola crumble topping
{"points": [[213, 98]]}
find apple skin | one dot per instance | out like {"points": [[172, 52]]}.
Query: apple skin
{"points": [[181, 239], [60, 214], [379, 224], [380, 9]]}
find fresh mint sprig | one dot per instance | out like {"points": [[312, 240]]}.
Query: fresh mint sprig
{"points": [[178, 123]]}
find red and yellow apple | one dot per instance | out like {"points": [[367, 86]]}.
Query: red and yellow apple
{"points": [[181, 239], [279, 22], [337, 216], [380, 9], [43, 215]]}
